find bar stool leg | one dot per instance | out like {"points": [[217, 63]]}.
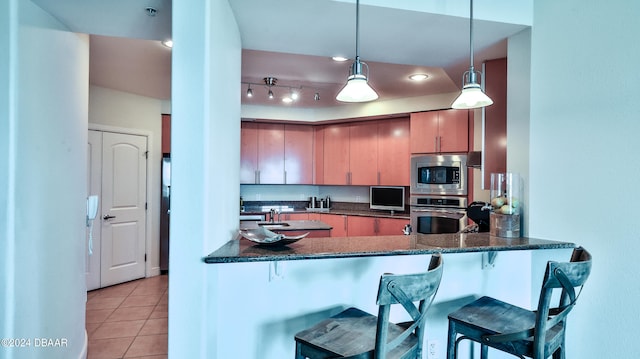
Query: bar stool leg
{"points": [[298, 351], [484, 351], [451, 342]]}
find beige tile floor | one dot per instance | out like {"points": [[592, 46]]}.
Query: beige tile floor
{"points": [[128, 320]]}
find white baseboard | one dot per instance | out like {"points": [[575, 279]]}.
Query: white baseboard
{"points": [[85, 346], [154, 272]]}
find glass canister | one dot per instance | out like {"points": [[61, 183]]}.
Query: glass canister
{"points": [[504, 219]]}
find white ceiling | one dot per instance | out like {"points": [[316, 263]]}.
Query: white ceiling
{"points": [[293, 40]]}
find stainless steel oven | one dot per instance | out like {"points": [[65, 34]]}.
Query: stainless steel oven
{"points": [[438, 214], [439, 174]]}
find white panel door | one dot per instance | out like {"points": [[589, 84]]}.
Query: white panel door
{"points": [[124, 178], [94, 183]]}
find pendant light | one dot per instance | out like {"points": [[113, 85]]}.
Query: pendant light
{"points": [[357, 88], [472, 95]]}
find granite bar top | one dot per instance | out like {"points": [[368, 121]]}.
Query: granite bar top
{"points": [[297, 225], [243, 250]]}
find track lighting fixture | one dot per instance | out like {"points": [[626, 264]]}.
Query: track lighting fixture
{"points": [[291, 95]]}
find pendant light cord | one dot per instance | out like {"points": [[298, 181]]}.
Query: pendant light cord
{"points": [[357, 30], [471, 33]]}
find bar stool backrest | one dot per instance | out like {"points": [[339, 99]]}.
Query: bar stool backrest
{"points": [[405, 290], [565, 276]]}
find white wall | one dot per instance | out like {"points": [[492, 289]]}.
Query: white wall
{"points": [[583, 159], [112, 110], [42, 193], [205, 143]]}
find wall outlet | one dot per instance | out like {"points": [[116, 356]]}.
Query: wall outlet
{"points": [[433, 348]]}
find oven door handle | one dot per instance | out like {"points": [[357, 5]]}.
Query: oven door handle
{"points": [[440, 213]]}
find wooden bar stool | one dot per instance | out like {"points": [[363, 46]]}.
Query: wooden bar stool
{"points": [[357, 334], [520, 332]]}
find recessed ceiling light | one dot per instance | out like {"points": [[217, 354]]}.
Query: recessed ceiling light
{"points": [[418, 77], [339, 58], [287, 100], [168, 43]]}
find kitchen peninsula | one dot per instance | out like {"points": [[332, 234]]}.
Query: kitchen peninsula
{"points": [[276, 291], [241, 250]]}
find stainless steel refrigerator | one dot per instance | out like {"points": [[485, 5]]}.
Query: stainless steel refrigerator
{"points": [[165, 211]]}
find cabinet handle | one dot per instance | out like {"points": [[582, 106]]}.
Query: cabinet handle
{"points": [[255, 177], [378, 177], [436, 144], [258, 181], [376, 226], [285, 177], [346, 227]]}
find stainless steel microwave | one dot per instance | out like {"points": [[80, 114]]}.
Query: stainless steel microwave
{"points": [[439, 174]]}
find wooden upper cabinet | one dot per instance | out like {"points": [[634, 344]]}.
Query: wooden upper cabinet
{"points": [[166, 133], [336, 154], [276, 153], [363, 153], [495, 120], [270, 153], [298, 154], [249, 153], [394, 155], [424, 132], [318, 155], [453, 128], [443, 131]]}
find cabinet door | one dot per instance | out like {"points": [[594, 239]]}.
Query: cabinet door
{"points": [[298, 154], [295, 216], [336, 154], [363, 153], [390, 226], [248, 152], [453, 130], [361, 226], [338, 222], [495, 120], [424, 132], [394, 156], [271, 153], [318, 155]]}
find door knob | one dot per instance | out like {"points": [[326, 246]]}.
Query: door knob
{"points": [[108, 217]]}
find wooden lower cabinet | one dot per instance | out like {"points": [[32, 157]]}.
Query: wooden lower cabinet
{"points": [[294, 216], [338, 222], [391, 226], [361, 226], [358, 226]]}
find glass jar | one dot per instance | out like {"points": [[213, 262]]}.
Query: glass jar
{"points": [[504, 219]]}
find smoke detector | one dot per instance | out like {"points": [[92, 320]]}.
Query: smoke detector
{"points": [[151, 11]]}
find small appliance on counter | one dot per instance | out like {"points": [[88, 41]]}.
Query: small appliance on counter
{"points": [[319, 204], [479, 212]]}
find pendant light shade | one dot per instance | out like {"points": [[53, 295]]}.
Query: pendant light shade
{"points": [[472, 95], [357, 88]]}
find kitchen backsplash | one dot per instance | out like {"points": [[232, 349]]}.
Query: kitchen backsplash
{"points": [[356, 194]]}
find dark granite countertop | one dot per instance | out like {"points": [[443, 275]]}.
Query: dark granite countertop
{"points": [[337, 208], [242, 250]]}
